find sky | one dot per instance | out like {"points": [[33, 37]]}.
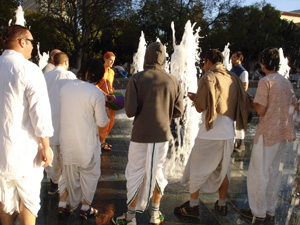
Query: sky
{"points": [[282, 5]]}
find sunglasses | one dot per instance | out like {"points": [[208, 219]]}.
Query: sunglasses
{"points": [[27, 39]]}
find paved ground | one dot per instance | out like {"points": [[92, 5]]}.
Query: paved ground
{"points": [[110, 197]]}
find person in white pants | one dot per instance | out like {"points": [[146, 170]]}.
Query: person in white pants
{"points": [[55, 79], [275, 103], [82, 110], [25, 128]]}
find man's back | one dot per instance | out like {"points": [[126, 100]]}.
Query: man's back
{"points": [[55, 79], [154, 97], [24, 108], [276, 94], [82, 110]]}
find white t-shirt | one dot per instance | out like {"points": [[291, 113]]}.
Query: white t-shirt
{"points": [[244, 77], [223, 128]]}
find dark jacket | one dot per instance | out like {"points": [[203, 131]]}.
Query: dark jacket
{"points": [[153, 97]]}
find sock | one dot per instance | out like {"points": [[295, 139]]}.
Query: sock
{"points": [[194, 202], [85, 207], [62, 204], [221, 202], [155, 209], [130, 213]]}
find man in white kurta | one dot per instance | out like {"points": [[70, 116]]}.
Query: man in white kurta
{"points": [[55, 79], [82, 111], [24, 128]]}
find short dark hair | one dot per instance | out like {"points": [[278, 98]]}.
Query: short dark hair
{"points": [[214, 55], [239, 54], [270, 58], [12, 33], [60, 58], [91, 71]]}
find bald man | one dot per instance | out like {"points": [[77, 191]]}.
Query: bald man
{"points": [[55, 79], [50, 66], [25, 128]]}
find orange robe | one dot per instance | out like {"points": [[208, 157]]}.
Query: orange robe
{"points": [[106, 85]]}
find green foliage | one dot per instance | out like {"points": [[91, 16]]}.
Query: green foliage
{"points": [[7, 12]]}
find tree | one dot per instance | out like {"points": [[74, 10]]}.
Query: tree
{"points": [[7, 12], [77, 21]]}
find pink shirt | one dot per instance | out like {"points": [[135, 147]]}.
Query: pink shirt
{"points": [[276, 94]]}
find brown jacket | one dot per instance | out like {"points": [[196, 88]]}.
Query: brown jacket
{"points": [[153, 97], [222, 92]]}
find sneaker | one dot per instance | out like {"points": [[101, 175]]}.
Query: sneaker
{"points": [[221, 209], [186, 210], [121, 220], [88, 213], [63, 211], [157, 220], [53, 188], [248, 214]]}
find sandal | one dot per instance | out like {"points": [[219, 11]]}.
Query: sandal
{"points": [[106, 147], [89, 213]]}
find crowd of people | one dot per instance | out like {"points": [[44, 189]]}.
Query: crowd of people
{"points": [[60, 121]]}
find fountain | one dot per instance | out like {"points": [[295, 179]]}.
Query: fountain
{"points": [[20, 20], [183, 61], [226, 61], [138, 58], [43, 59], [284, 68]]}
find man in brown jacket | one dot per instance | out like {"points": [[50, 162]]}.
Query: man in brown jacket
{"points": [[222, 100], [153, 97]]}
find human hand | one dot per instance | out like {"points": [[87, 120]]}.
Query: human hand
{"points": [[47, 156]]}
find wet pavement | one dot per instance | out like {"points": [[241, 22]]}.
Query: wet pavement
{"points": [[110, 197]]}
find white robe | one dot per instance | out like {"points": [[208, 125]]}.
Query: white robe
{"points": [[145, 169], [55, 79], [82, 110], [25, 115]]}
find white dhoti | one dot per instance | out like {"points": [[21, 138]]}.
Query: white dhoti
{"points": [[264, 177], [208, 164], [25, 189], [81, 183], [54, 172], [145, 169], [239, 134]]}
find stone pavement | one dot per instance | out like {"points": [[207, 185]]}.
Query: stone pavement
{"points": [[110, 197]]}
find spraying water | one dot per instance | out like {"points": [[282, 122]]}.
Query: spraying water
{"points": [[138, 58], [284, 68], [226, 61], [43, 59], [183, 62], [20, 20]]}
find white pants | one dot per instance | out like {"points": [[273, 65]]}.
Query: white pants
{"points": [[145, 169], [81, 183], [54, 172], [27, 190], [264, 177], [208, 164]]}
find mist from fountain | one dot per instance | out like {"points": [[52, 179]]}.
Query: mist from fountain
{"points": [[226, 61]]}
